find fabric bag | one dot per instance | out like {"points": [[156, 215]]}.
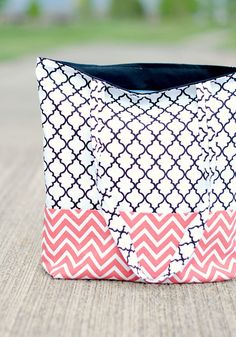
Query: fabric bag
{"points": [[139, 165]]}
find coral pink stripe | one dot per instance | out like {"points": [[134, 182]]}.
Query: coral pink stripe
{"points": [[77, 244]]}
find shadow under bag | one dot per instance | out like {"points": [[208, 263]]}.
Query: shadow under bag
{"points": [[139, 165]]}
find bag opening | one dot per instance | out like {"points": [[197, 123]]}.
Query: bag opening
{"points": [[141, 77]]}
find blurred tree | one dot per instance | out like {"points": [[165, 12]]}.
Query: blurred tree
{"points": [[34, 9], [151, 8], [15, 10], [101, 8], [128, 8], [51, 9], [215, 10], [173, 8], [85, 8], [55, 10], [220, 11], [2, 2], [232, 10]]}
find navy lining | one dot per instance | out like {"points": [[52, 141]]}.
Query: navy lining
{"points": [[151, 76]]}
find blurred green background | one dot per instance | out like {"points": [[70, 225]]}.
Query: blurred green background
{"points": [[32, 25]]}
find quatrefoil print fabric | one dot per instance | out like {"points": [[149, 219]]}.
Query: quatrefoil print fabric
{"points": [[140, 186]]}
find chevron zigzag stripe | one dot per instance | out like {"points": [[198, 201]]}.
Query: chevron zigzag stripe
{"points": [[77, 244]]}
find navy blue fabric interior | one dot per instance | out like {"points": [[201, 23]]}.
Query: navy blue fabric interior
{"points": [[152, 76]]}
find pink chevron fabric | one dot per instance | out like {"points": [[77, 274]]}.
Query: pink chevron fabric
{"points": [[77, 244], [139, 166]]}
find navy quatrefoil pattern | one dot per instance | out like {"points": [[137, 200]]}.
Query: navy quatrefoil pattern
{"points": [[158, 152]]}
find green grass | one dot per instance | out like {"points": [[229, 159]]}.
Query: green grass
{"points": [[230, 42], [20, 39]]}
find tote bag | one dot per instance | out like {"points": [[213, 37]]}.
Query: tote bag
{"points": [[139, 165]]}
